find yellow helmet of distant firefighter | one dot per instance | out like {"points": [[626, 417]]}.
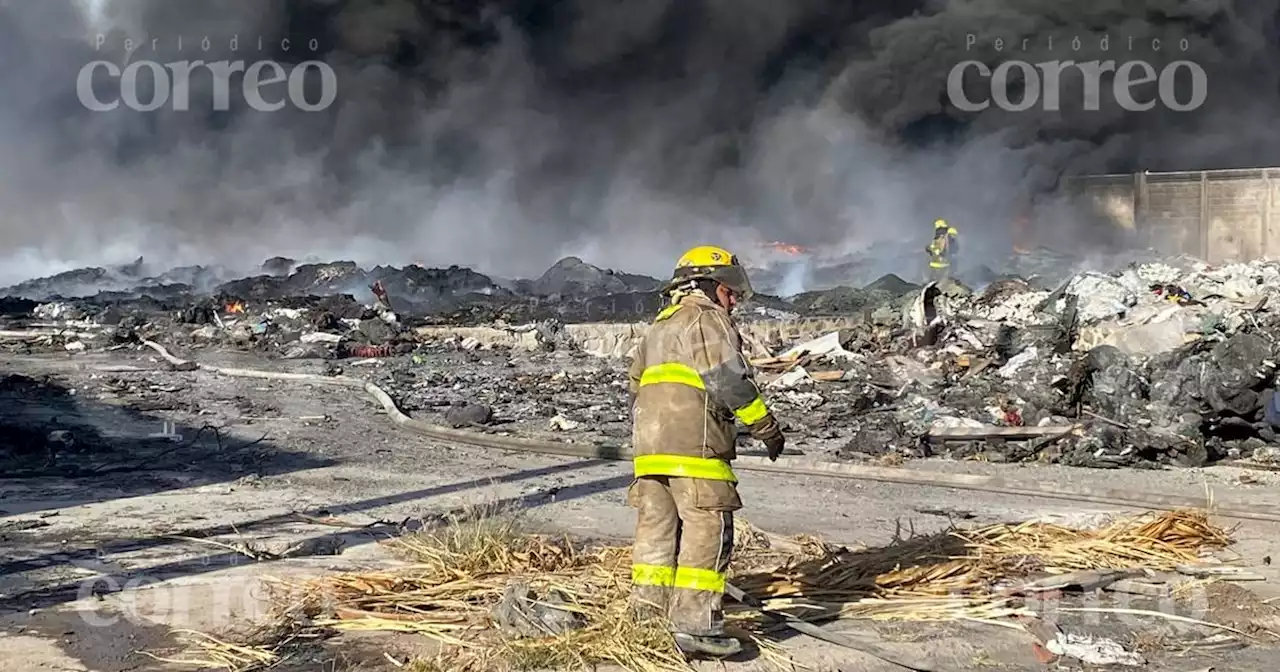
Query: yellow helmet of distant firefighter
{"points": [[940, 224], [712, 263]]}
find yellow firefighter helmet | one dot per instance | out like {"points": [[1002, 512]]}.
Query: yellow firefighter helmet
{"points": [[712, 263]]}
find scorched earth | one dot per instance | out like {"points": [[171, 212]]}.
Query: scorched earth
{"points": [[154, 477]]}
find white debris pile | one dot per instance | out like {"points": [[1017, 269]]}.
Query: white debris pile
{"points": [[57, 311], [1145, 310], [1237, 282], [1102, 297], [1020, 308]]}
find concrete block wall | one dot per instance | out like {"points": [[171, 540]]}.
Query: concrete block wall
{"points": [[1235, 212], [1170, 217], [1112, 196], [617, 339], [1220, 216]]}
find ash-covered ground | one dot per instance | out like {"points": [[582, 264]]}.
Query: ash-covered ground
{"points": [[133, 489], [1154, 363]]}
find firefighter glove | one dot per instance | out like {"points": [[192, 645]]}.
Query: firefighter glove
{"points": [[775, 443], [769, 432]]}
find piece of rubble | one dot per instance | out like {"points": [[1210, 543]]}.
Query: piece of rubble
{"points": [[1015, 364], [206, 333], [376, 331], [468, 415], [1093, 651], [905, 370], [320, 337], [520, 613], [927, 314], [803, 400], [797, 377], [61, 439], [1102, 296], [306, 351], [829, 345], [1267, 454], [58, 311], [1149, 332], [563, 424]]}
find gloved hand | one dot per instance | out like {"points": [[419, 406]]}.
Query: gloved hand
{"points": [[775, 443], [769, 432]]}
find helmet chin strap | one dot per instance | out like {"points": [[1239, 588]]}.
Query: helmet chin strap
{"points": [[691, 289]]}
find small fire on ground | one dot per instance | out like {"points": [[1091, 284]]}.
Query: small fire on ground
{"points": [[235, 308]]}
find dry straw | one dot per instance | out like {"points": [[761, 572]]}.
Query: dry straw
{"points": [[456, 575]]}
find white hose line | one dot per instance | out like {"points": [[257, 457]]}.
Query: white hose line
{"points": [[787, 466]]}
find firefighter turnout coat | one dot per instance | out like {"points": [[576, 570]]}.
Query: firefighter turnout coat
{"points": [[690, 381]]}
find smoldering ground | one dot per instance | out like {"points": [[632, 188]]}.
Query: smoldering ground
{"points": [[508, 133]]}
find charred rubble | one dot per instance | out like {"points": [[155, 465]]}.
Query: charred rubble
{"points": [[1158, 363]]}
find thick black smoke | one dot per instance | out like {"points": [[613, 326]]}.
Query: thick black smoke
{"points": [[505, 134]]}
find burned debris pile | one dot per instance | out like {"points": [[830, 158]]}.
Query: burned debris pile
{"points": [[1151, 365], [570, 291], [1160, 363], [574, 277]]}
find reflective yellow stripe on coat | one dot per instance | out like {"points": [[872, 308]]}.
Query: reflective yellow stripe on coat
{"points": [[672, 372], [753, 412], [683, 466], [667, 312]]}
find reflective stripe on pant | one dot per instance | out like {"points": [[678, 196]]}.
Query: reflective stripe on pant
{"points": [[684, 541], [653, 555]]}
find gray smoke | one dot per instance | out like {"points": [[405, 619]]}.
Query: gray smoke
{"points": [[506, 134]]}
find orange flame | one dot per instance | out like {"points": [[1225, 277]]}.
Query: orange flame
{"points": [[788, 248], [235, 308]]}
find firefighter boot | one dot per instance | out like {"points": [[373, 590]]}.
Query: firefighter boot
{"points": [[653, 554], [706, 544], [716, 647]]}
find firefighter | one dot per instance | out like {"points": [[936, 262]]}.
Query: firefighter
{"points": [[689, 381], [942, 250]]}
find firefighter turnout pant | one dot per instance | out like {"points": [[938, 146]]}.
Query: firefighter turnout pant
{"points": [[684, 540]]}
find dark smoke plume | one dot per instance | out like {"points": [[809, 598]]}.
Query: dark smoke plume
{"points": [[505, 134]]}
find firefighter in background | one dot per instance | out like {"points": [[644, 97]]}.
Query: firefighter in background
{"points": [[689, 381], [942, 250]]}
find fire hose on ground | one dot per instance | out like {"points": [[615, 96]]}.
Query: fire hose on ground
{"points": [[784, 466]]}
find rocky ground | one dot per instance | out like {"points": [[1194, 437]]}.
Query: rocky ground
{"points": [[117, 465]]}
